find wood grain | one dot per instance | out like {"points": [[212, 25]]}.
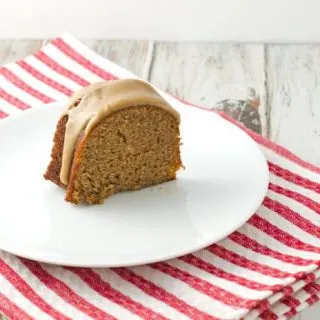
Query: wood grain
{"points": [[13, 50], [293, 77], [206, 73], [129, 54], [285, 77]]}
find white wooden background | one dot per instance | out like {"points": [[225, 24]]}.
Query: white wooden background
{"points": [[286, 79]]}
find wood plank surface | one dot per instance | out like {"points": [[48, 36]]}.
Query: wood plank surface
{"points": [[13, 50], [286, 80], [129, 54], [293, 78], [206, 73]]}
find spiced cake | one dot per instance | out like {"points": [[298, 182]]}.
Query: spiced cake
{"points": [[114, 136]]}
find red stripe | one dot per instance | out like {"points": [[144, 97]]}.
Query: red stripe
{"points": [[41, 77], [241, 261], [94, 281], [3, 114], [291, 302], [205, 287], [280, 235], [203, 265], [263, 306], [292, 216], [159, 293], [291, 313], [71, 53], [296, 196], [312, 288], [293, 177], [27, 291], [271, 145], [286, 291], [13, 100], [268, 315], [313, 299], [310, 277], [66, 293], [10, 310], [44, 58], [9, 75], [253, 245]]}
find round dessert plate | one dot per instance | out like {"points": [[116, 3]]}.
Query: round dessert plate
{"points": [[224, 182]]}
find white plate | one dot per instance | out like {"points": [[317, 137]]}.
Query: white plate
{"points": [[225, 181]]}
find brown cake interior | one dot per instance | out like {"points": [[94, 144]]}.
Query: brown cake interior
{"points": [[128, 150]]}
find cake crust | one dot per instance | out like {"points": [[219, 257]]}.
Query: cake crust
{"points": [[54, 167]]}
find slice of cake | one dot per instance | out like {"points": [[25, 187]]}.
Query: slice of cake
{"points": [[114, 136]]}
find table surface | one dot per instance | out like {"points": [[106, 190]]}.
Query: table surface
{"points": [[283, 82]]}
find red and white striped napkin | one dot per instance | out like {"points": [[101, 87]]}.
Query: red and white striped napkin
{"points": [[268, 269]]}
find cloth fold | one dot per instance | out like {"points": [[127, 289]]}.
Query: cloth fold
{"points": [[267, 269]]}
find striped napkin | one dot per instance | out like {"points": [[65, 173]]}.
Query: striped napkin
{"points": [[268, 269]]}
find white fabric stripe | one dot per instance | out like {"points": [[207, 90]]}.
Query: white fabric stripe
{"points": [[138, 295], [229, 286], [21, 301], [18, 93], [280, 308], [275, 298], [252, 315], [286, 226], [97, 59], [50, 73], [274, 244], [289, 165], [296, 206], [234, 269], [9, 108], [262, 259], [90, 295], [46, 294], [35, 83], [57, 55], [294, 187], [302, 295], [188, 294]]}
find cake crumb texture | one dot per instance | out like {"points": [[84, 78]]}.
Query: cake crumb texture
{"points": [[128, 150]]}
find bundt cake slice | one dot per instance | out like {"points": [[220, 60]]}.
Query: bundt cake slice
{"points": [[114, 136]]}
